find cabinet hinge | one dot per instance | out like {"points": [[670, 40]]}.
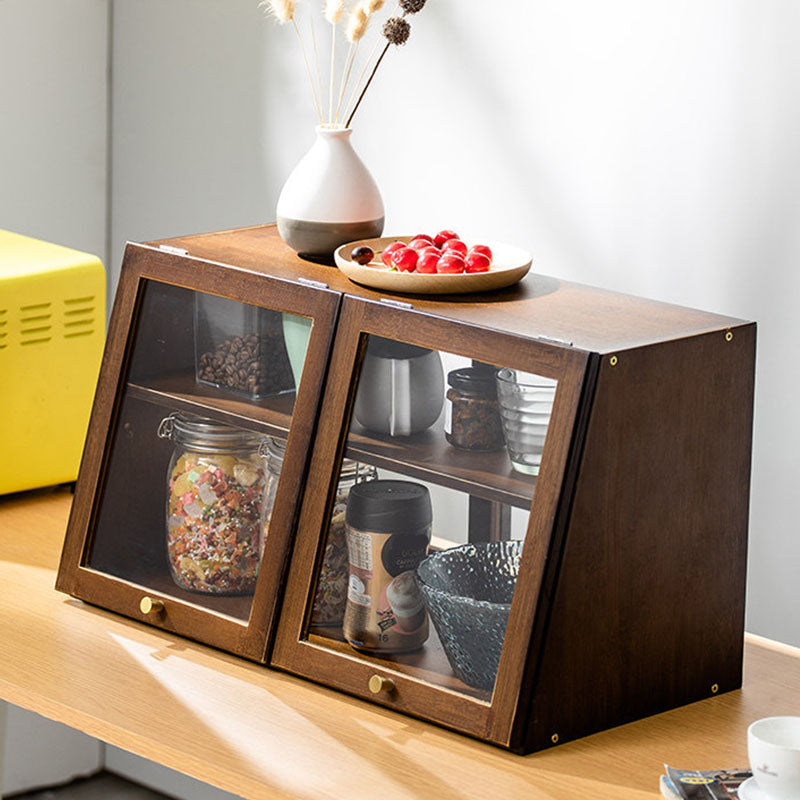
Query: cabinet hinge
{"points": [[396, 303], [554, 341], [314, 284]]}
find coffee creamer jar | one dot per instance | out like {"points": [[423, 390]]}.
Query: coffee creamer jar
{"points": [[388, 532]]}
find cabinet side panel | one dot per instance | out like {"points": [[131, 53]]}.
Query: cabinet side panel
{"points": [[648, 605]]}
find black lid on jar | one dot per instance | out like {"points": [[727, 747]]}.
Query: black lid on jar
{"points": [[474, 380], [398, 507]]}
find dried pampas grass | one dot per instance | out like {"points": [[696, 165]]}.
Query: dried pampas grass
{"points": [[334, 10], [373, 6], [356, 21], [357, 24], [282, 10]]}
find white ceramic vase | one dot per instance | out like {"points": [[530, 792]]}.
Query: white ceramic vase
{"points": [[330, 198]]}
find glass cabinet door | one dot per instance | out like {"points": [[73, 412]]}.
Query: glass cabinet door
{"points": [[192, 503], [454, 438]]}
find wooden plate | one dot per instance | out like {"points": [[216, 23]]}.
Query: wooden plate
{"points": [[509, 265]]}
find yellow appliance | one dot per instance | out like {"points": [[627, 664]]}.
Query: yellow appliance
{"points": [[52, 330]]}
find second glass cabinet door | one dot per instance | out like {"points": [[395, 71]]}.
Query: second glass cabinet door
{"points": [[404, 587], [421, 554]]}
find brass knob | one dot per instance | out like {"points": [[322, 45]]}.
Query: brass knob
{"points": [[378, 684], [149, 605]]}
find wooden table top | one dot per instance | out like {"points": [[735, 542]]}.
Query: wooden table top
{"points": [[263, 734]]}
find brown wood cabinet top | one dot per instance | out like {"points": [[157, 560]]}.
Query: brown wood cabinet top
{"points": [[539, 306]]}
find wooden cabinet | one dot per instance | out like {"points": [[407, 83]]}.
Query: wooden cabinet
{"points": [[631, 517]]}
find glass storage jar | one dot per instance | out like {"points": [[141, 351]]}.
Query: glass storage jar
{"points": [[215, 505], [473, 416], [330, 596], [240, 348], [331, 592]]}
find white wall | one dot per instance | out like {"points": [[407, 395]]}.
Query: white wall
{"points": [[645, 147], [39, 752], [53, 112], [188, 119], [161, 778]]}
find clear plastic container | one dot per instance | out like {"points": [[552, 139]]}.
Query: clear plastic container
{"points": [[216, 485], [240, 348]]}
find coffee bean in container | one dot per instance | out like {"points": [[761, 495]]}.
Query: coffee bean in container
{"points": [[388, 533]]}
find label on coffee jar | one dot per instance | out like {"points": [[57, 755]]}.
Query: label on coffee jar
{"points": [[385, 608], [388, 532]]}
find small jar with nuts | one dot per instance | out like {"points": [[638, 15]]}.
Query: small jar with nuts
{"points": [[472, 419], [240, 348]]}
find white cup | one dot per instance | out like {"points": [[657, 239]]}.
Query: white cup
{"points": [[773, 747]]}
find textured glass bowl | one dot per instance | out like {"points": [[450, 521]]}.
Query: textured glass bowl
{"points": [[468, 592]]}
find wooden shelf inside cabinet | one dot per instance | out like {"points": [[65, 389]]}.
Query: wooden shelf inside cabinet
{"points": [[429, 457], [180, 391]]}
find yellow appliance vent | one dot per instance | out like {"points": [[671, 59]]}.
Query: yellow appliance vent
{"points": [[52, 331]]}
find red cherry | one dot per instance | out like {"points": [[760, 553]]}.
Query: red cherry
{"points": [[428, 261], [425, 237], [482, 248], [450, 263], [431, 249], [455, 245], [443, 236], [419, 244], [386, 256], [477, 262], [405, 259]]}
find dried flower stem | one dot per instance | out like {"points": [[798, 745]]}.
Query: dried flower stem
{"points": [[369, 81], [333, 60], [375, 47], [357, 25], [348, 66], [308, 70], [316, 56], [333, 13], [357, 85]]}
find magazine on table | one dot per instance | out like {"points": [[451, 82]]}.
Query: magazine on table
{"points": [[712, 784]]}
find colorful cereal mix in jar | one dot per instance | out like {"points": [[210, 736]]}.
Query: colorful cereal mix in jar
{"points": [[215, 505]]}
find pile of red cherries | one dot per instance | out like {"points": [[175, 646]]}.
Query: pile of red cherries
{"points": [[444, 253]]}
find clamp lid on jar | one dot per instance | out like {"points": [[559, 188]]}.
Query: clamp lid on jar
{"points": [[206, 435]]}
